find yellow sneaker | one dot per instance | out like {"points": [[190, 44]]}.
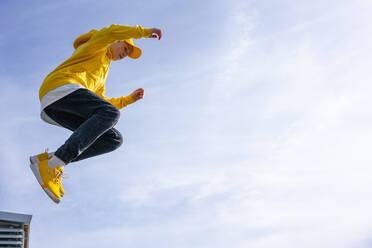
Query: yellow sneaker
{"points": [[44, 156], [47, 178], [40, 157], [59, 175]]}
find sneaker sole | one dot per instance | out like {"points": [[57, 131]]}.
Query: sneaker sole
{"points": [[35, 170], [33, 161]]}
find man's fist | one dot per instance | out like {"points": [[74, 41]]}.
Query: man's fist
{"points": [[138, 94], [156, 33]]}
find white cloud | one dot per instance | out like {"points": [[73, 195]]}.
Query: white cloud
{"points": [[307, 184]]}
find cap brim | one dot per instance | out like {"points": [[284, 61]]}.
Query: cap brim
{"points": [[136, 52]]}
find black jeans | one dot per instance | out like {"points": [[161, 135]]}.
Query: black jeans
{"points": [[91, 118]]}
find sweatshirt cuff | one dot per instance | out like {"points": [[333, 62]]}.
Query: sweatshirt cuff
{"points": [[129, 99], [148, 32]]}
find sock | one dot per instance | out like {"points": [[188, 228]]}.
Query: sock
{"points": [[55, 162]]}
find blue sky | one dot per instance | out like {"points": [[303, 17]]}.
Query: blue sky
{"points": [[255, 128]]}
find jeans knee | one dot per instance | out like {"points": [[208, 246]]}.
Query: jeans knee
{"points": [[112, 113], [118, 140], [115, 112]]}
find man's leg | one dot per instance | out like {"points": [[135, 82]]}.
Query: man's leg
{"points": [[90, 117], [108, 142]]}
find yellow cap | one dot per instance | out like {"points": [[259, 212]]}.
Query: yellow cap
{"points": [[136, 51]]}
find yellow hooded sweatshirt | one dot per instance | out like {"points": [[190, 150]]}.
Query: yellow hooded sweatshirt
{"points": [[89, 64]]}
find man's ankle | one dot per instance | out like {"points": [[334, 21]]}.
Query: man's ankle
{"points": [[56, 162]]}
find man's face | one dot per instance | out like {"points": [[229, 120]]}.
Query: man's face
{"points": [[120, 50]]}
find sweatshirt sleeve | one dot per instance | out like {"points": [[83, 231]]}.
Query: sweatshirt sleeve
{"points": [[114, 33], [119, 102], [120, 32]]}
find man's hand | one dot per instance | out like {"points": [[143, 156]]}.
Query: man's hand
{"points": [[137, 94], [156, 33]]}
